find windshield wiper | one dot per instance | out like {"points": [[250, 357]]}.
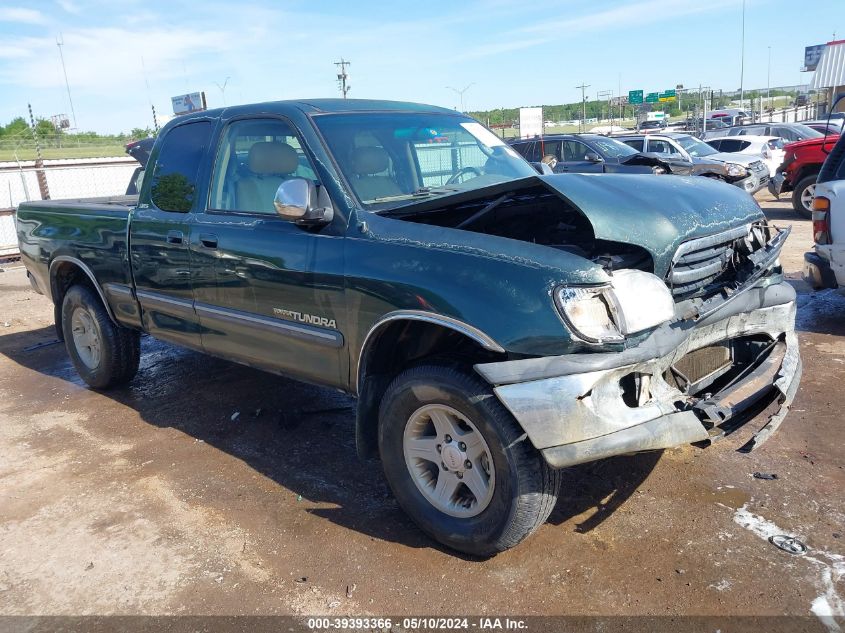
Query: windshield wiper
{"points": [[422, 192]]}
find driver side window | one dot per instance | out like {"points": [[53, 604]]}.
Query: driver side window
{"points": [[254, 158], [575, 151]]}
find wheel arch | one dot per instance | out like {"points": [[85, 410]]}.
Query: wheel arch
{"points": [[811, 169], [66, 271], [399, 340]]}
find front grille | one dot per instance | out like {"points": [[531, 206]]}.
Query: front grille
{"points": [[711, 261]]}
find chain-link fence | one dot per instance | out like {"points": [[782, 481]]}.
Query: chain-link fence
{"points": [[58, 180], [439, 162]]}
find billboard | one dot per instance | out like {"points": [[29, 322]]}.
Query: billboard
{"points": [[530, 122], [812, 55], [193, 102]]}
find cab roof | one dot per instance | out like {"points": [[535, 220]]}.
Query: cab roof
{"points": [[321, 106]]}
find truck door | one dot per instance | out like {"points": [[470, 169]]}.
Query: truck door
{"points": [[160, 229], [268, 293]]}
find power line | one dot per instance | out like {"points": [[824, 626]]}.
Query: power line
{"points": [[342, 76]]}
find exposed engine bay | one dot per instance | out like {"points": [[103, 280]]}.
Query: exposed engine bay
{"points": [[533, 215]]}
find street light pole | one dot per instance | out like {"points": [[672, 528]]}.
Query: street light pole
{"points": [[460, 93], [769, 81], [223, 89], [742, 62]]}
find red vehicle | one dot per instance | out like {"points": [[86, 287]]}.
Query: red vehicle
{"points": [[799, 171]]}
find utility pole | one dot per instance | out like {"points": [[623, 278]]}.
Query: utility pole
{"points": [[460, 93], [742, 61], [60, 42], [608, 94], [342, 76], [583, 88]]}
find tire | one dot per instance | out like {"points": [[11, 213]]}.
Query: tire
{"points": [[521, 488], [803, 193], [104, 354]]}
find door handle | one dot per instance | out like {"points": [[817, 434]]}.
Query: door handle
{"points": [[174, 237], [208, 240]]}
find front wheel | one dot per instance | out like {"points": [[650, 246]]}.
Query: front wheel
{"points": [[103, 353], [802, 196], [459, 464]]}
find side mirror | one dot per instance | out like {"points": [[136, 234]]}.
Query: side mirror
{"points": [[592, 157], [298, 201]]}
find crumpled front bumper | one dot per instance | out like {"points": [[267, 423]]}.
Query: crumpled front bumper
{"points": [[572, 407]]}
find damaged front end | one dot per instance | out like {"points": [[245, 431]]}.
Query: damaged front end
{"points": [[726, 354]]}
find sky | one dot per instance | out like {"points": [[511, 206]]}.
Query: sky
{"points": [[121, 56]]}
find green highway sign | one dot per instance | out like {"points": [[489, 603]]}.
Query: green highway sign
{"points": [[635, 96], [652, 97]]}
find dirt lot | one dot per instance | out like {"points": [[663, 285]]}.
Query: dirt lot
{"points": [[152, 499]]}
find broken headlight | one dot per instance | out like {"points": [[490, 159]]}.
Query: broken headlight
{"points": [[736, 171], [587, 313], [634, 301]]}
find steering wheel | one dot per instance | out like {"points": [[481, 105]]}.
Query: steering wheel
{"points": [[463, 171]]}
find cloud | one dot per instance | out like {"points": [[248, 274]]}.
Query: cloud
{"points": [[24, 16], [626, 16], [13, 52], [69, 7]]}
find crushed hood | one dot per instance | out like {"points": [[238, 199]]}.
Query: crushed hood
{"points": [[655, 212]]}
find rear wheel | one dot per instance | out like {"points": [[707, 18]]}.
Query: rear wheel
{"points": [[802, 196], [104, 354], [459, 464]]}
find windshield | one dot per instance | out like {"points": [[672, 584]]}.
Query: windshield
{"points": [[391, 159], [694, 147], [613, 148]]}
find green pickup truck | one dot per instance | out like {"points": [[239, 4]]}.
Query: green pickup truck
{"points": [[495, 324]]}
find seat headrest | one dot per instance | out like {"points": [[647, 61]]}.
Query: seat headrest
{"points": [[272, 158], [369, 160]]}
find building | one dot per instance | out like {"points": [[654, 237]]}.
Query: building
{"points": [[829, 75]]}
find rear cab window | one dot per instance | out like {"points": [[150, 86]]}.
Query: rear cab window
{"points": [[174, 179]]}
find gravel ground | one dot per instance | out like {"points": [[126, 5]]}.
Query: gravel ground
{"points": [[152, 500]]}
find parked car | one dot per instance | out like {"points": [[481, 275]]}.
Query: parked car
{"points": [[824, 266], [593, 153], [768, 148], [729, 116], [495, 325], [826, 126], [652, 125], [789, 132], [746, 172], [801, 165]]}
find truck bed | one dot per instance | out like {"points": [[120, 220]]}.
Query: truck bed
{"points": [[90, 232]]}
